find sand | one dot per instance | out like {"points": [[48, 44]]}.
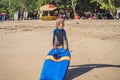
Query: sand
{"points": [[94, 47]]}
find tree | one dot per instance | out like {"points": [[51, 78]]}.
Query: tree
{"points": [[11, 6], [74, 3], [40, 3], [3, 6], [108, 5], [117, 3]]}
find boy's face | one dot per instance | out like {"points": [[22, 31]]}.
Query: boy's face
{"points": [[61, 26]]}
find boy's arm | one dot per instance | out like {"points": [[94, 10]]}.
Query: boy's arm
{"points": [[66, 40], [53, 41], [67, 44]]}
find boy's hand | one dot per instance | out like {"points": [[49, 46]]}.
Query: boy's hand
{"points": [[67, 48], [54, 47]]}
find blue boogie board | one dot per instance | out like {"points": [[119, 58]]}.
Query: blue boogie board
{"points": [[56, 65]]}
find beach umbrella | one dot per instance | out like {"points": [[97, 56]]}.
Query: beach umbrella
{"points": [[48, 7]]}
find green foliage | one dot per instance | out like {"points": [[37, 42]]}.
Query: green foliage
{"points": [[11, 6], [108, 5], [39, 3], [3, 6], [117, 3]]}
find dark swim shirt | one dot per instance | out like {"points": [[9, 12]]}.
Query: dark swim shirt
{"points": [[60, 34]]}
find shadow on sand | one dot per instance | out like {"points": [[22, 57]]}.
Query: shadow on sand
{"points": [[78, 70]]}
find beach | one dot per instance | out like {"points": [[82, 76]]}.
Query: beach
{"points": [[94, 46]]}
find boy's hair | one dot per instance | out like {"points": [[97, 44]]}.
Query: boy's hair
{"points": [[58, 21]]}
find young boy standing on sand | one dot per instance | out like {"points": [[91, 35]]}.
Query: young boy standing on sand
{"points": [[59, 35]]}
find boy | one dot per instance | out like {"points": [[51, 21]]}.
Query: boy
{"points": [[59, 35]]}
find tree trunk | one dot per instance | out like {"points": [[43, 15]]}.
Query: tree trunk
{"points": [[73, 6], [21, 13], [111, 13]]}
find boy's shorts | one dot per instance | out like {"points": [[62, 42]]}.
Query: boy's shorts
{"points": [[58, 43]]}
